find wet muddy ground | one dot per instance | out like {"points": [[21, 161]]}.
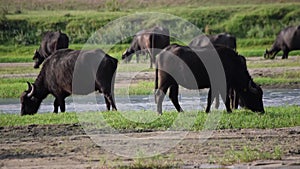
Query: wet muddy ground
{"points": [[67, 146]]}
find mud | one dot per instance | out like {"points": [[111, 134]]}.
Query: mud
{"points": [[67, 146]]}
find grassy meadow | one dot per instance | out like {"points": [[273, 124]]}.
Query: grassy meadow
{"points": [[255, 24]]}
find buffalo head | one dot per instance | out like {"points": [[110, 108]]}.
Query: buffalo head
{"points": [[251, 97], [29, 103], [127, 55], [38, 59], [269, 55]]}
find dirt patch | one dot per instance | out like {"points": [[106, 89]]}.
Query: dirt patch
{"points": [[67, 146]]}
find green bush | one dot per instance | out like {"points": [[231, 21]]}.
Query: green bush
{"points": [[243, 21]]}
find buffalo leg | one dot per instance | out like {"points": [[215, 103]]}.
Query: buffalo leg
{"points": [[110, 101], [173, 95], [285, 54], [137, 55], [56, 104], [208, 101], [151, 64], [227, 101], [59, 102], [217, 104], [62, 105], [231, 97], [150, 51], [236, 100], [107, 103], [159, 97]]}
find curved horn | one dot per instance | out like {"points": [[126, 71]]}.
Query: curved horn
{"points": [[252, 89], [30, 89]]}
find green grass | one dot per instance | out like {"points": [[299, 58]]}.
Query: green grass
{"points": [[272, 64], [13, 87], [101, 5], [19, 53], [22, 53], [41, 119], [275, 81], [141, 88], [246, 20], [275, 117], [247, 154], [17, 70]]}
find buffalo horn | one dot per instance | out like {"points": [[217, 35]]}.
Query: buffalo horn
{"points": [[30, 89]]}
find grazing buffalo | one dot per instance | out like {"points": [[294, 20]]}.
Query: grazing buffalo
{"points": [[69, 72], [222, 39], [175, 62], [151, 40], [136, 48], [51, 42], [287, 40]]}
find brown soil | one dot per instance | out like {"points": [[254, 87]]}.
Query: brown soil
{"points": [[67, 146]]}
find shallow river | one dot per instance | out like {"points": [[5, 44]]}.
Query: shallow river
{"points": [[189, 101]]}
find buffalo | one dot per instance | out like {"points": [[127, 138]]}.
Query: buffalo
{"points": [[222, 39], [287, 40], [69, 72], [175, 61], [51, 42], [150, 40], [135, 47]]}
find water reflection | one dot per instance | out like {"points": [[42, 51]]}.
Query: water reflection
{"points": [[272, 97]]}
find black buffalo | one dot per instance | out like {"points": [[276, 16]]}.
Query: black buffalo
{"points": [[90, 71], [135, 47], [222, 39], [151, 41], [287, 40], [176, 60], [51, 42]]}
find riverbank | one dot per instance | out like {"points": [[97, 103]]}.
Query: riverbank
{"points": [[270, 74], [67, 146]]}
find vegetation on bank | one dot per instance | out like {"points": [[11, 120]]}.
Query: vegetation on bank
{"points": [[244, 20], [274, 117], [254, 23]]}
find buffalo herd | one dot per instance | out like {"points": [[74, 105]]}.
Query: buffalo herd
{"points": [[175, 65]]}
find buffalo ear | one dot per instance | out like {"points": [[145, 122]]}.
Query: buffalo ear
{"points": [[30, 89]]}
